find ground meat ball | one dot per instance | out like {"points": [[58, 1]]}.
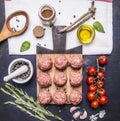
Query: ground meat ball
{"points": [[75, 97], [44, 97], [60, 79], [45, 63], [75, 61], [44, 80], [61, 62], [76, 79], [59, 97]]}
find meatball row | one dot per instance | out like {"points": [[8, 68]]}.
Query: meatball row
{"points": [[59, 97], [61, 62], [60, 79]]}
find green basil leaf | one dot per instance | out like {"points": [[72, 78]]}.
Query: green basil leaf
{"points": [[25, 46], [98, 26]]}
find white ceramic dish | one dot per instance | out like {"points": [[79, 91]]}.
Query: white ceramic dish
{"points": [[20, 80]]}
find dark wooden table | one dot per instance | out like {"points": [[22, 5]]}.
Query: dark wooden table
{"points": [[112, 81]]}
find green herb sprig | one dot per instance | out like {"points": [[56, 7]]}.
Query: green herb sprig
{"points": [[26, 103]]}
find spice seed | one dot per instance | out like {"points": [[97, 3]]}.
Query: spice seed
{"points": [[59, 1], [17, 19], [13, 29], [60, 111], [93, 18], [59, 13], [74, 16]]}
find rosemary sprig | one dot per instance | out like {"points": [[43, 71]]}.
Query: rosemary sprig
{"points": [[26, 111], [26, 96], [26, 103]]}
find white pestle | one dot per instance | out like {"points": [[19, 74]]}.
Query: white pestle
{"points": [[16, 73]]}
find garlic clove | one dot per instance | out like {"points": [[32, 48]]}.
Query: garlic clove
{"points": [[84, 115], [74, 108], [76, 115]]}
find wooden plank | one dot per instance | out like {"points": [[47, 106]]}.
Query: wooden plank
{"points": [[59, 47], [69, 70]]}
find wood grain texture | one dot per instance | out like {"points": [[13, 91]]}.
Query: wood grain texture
{"points": [[67, 88]]}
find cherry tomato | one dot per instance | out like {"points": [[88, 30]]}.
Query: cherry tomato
{"points": [[92, 71], [101, 75], [102, 60], [103, 100], [101, 91], [91, 95], [94, 104], [90, 79], [92, 88], [100, 84]]}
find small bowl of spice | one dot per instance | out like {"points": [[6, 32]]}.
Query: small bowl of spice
{"points": [[21, 70], [86, 33], [47, 14]]}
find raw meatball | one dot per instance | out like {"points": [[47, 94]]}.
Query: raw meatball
{"points": [[75, 97], [75, 61], [76, 79], [44, 80], [59, 97], [45, 63], [44, 97], [60, 79], [61, 62]]}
